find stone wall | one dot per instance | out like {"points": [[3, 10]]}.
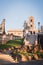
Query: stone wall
{"points": [[4, 38], [30, 39], [0, 39]]}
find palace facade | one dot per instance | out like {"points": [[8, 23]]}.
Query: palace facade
{"points": [[16, 32]]}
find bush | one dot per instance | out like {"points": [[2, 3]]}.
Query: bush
{"points": [[12, 43]]}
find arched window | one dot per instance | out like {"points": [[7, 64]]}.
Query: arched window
{"points": [[30, 32], [31, 20], [34, 32], [31, 25]]}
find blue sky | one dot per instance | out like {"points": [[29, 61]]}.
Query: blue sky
{"points": [[17, 11]]}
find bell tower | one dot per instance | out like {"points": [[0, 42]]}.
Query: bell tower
{"points": [[3, 26], [31, 23]]}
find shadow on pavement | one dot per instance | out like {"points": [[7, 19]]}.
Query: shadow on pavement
{"points": [[33, 62]]}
